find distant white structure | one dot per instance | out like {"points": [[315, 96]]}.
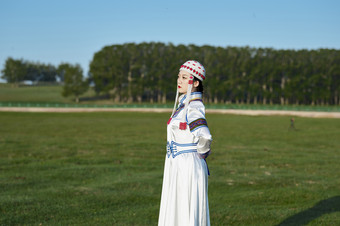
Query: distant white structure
{"points": [[27, 82]]}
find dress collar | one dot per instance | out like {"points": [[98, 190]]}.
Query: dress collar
{"points": [[194, 95]]}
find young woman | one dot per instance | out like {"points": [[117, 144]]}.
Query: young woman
{"points": [[184, 199]]}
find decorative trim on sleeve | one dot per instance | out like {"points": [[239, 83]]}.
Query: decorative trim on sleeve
{"points": [[197, 123]]}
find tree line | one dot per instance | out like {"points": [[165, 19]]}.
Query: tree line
{"points": [[147, 72], [17, 71]]}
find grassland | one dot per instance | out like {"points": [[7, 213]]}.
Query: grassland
{"points": [[106, 169], [42, 94]]}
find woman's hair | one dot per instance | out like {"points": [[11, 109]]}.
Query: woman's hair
{"points": [[199, 88]]}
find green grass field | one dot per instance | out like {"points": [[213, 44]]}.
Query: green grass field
{"points": [[45, 94], [107, 168]]}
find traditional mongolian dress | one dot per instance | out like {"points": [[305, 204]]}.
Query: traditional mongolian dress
{"points": [[184, 200]]}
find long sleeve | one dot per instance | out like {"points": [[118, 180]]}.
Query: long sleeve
{"points": [[199, 127]]}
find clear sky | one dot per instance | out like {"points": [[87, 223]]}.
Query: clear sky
{"points": [[72, 31]]}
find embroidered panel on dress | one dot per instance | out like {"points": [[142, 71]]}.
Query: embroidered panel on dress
{"points": [[197, 123]]}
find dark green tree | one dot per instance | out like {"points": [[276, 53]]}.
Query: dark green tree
{"points": [[74, 83], [14, 71]]}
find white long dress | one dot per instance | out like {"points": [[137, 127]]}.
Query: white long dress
{"points": [[184, 200]]}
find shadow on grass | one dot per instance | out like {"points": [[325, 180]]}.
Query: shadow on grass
{"points": [[323, 207], [99, 97]]}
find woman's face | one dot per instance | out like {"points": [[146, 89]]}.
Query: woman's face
{"points": [[183, 81]]}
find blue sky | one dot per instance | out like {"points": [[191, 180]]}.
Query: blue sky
{"points": [[72, 31]]}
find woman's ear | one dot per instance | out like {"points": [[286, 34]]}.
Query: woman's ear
{"points": [[196, 83]]}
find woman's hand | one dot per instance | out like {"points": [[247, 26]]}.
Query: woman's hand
{"points": [[205, 155]]}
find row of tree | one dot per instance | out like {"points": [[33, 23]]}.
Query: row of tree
{"points": [[147, 72], [17, 71]]}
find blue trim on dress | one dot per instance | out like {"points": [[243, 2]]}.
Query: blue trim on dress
{"points": [[172, 148], [194, 93], [178, 110], [183, 152]]}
